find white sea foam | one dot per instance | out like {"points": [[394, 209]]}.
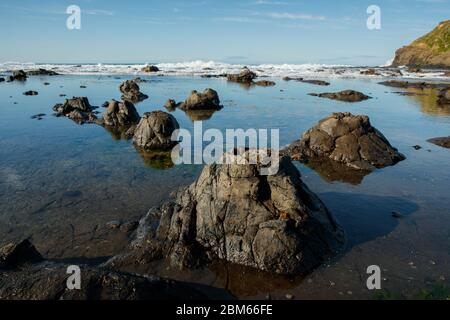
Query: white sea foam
{"points": [[199, 68]]}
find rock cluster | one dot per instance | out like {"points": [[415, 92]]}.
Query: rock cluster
{"points": [[346, 96], [234, 213], [78, 109], [154, 131], [131, 91], [347, 139], [18, 75], [370, 72], [41, 72]]}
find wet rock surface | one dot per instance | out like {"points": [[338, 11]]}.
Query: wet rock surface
{"points": [[346, 96], [233, 213], [413, 84], [154, 131], [265, 83], [120, 114], [131, 91], [207, 100], [77, 109], [442, 142], [370, 72], [347, 139], [18, 75]]}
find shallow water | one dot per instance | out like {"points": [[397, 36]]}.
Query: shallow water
{"points": [[60, 183]]}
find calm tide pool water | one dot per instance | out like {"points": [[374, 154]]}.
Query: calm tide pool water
{"points": [[60, 183]]}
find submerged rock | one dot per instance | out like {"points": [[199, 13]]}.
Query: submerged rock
{"points": [[208, 100], [347, 139], [234, 213], [245, 76], [2, 79], [265, 83], [120, 114], [78, 109], [418, 85], [30, 93], [154, 131], [316, 82], [171, 105], [442, 142], [14, 255], [131, 91], [150, 69], [346, 95]]}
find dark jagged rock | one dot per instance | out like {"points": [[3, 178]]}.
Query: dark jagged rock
{"points": [[442, 142], [2, 80], [245, 76], [14, 255], [78, 109], [265, 83], [120, 114], [208, 100], [30, 93], [346, 96], [150, 69], [234, 213], [154, 131], [38, 116], [348, 139], [131, 91], [41, 72]]}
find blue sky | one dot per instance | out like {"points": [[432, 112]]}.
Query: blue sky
{"points": [[246, 31]]}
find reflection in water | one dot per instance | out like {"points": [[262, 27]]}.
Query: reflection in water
{"points": [[200, 115], [120, 133], [157, 159], [332, 171], [427, 99]]}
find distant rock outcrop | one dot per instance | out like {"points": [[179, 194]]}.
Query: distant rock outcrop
{"points": [[234, 213], [431, 50], [78, 109], [347, 139], [150, 69], [245, 76], [18, 75], [41, 72]]}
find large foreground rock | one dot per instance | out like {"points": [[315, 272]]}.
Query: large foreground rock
{"points": [[78, 109], [131, 91], [431, 50], [346, 95], [232, 212], [347, 139], [154, 131], [208, 100]]}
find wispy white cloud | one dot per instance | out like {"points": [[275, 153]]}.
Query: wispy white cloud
{"points": [[294, 16], [98, 12], [238, 19], [267, 2]]}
